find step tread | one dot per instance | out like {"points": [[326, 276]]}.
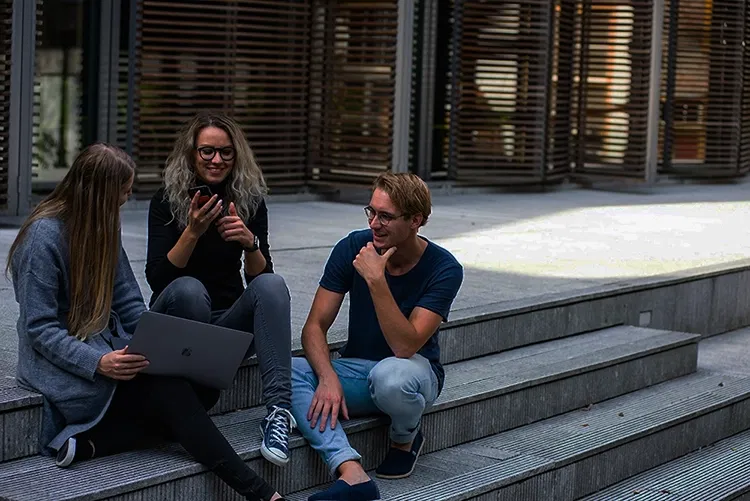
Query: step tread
{"points": [[33, 477], [492, 462], [720, 471]]}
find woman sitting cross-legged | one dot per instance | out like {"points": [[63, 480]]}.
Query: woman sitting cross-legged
{"points": [[78, 301], [195, 251]]}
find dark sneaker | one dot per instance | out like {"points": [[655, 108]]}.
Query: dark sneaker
{"points": [[400, 464], [341, 491], [74, 450], [275, 429]]}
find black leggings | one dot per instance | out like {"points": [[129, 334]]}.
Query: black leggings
{"points": [[148, 408]]}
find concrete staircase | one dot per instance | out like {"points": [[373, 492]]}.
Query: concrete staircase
{"points": [[720, 472], [545, 418]]}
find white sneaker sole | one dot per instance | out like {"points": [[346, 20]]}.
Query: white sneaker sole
{"points": [[70, 455]]}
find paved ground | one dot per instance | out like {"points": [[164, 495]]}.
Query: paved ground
{"points": [[513, 246]]}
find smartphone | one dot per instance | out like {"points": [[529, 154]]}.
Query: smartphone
{"points": [[205, 194]]}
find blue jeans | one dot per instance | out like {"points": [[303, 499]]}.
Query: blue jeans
{"points": [[401, 388], [263, 309]]}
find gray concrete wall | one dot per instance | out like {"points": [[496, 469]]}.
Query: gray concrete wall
{"points": [[706, 302]]}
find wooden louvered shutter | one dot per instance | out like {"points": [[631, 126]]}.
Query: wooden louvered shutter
{"points": [[6, 25], [352, 90], [703, 92], [248, 58], [501, 99], [612, 91]]}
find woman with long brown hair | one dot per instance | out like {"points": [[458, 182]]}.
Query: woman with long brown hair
{"points": [[76, 293], [198, 254]]}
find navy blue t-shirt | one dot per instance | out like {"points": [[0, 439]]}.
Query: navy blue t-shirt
{"points": [[431, 284]]}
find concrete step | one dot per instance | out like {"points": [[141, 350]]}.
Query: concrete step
{"points": [[720, 472], [481, 397], [574, 454], [20, 410]]}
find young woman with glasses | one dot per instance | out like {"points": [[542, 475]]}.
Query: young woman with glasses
{"points": [[76, 292], [207, 227]]}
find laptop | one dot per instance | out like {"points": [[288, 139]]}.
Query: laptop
{"points": [[203, 353]]}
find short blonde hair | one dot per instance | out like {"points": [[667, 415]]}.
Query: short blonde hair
{"points": [[408, 193]]}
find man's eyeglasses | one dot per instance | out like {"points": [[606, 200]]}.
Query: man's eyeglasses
{"points": [[208, 153], [384, 218]]}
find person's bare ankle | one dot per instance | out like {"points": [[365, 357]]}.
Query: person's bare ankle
{"points": [[352, 473]]}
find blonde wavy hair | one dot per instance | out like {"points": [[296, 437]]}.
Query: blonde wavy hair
{"points": [[245, 187], [87, 200]]}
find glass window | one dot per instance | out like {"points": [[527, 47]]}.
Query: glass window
{"points": [[62, 53]]}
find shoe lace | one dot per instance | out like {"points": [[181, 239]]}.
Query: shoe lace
{"points": [[281, 423]]}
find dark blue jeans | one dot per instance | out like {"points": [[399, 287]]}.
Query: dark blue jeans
{"points": [[263, 310]]}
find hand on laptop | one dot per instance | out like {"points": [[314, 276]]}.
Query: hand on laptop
{"points": [[121, 365]]}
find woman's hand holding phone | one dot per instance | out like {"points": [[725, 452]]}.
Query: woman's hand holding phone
{"points": [[201, 217]]}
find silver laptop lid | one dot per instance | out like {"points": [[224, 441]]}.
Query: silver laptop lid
{"points": [[203, 353]]}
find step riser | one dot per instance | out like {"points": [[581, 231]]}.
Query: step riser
{"points": [[706, 305], [501, 413], [596, 472], [20, 433]]}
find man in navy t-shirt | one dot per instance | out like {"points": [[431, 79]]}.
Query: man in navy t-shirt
{"points": [[401, 287]]}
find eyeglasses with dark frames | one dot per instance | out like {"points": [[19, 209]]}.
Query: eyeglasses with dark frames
{"points": [[208, 153], [384, 218]]}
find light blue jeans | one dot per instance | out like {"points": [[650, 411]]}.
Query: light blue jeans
{"points": [[401, 388]]}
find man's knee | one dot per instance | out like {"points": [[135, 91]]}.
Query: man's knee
{"points": [[392, 378]]}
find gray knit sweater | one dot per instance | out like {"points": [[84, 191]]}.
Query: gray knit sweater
{"points": [[50, 361]]}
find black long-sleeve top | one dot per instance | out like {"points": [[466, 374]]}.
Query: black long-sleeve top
{"points": [[215, 262]]}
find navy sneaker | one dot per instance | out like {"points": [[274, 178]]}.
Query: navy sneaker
{"points": [[275, 429], [400, 464], [341, 491]]}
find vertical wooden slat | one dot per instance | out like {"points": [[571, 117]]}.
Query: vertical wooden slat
{"points": [[744, 163], [128, 104], [6, 26], [248, 58], [352, 90], [560, 119]]}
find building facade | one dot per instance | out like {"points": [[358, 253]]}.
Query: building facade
{"points": [[330, 93]]}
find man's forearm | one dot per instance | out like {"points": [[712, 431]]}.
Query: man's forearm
{"points": [[318, 355], [398, 331]]}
